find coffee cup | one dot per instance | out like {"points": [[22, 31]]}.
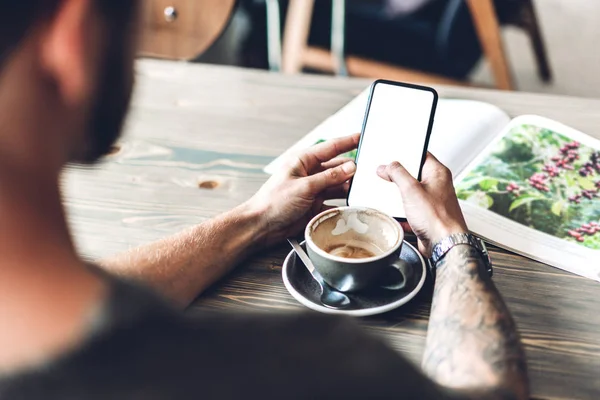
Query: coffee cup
{"points": [[355, 248]]}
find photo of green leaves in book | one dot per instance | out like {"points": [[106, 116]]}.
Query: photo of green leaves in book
{"points": [[543, 180]]}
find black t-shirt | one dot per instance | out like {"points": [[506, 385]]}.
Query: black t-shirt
{"points": [[142, 349]]}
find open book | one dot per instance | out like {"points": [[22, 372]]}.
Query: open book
{"points": [[530, 185]]}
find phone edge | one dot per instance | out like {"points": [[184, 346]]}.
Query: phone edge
{"points": [[427, 136]]}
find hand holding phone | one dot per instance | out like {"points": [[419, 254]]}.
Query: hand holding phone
{"points": [[397, 127], [432, 208]]}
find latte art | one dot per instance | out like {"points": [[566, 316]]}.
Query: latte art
{"points": [[352, 251]]}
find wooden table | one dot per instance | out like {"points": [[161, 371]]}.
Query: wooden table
{"points": [[196, 142]]}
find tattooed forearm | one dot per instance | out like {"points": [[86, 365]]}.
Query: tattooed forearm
{"points": [[473, 347]]}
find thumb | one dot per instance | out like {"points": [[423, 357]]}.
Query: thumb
{"points": [[331, 177], [396, 173]]}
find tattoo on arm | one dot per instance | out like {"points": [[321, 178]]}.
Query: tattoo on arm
{"points": [[473, 347]]}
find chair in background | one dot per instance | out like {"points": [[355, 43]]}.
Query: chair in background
{"points": [[183, 29], [526, 19], [297, 54]]}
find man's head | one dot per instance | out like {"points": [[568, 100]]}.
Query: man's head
{"points": [[67, 65]]}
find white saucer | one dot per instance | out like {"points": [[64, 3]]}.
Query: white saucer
{"points": [[305, 289]]}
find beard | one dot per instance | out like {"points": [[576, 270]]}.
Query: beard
{"points": [[112, 101]]}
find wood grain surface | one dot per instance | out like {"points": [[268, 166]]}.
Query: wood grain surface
{"points": [[195, 145]]}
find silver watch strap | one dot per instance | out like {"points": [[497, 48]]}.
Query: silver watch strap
{"points": [[441, 248]]}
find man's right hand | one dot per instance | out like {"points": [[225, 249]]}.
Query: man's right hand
{"points": [[431, 206], [473, 347]]}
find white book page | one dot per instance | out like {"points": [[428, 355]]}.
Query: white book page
{"points": [[461, 130], [559, 249], [531, 243]]}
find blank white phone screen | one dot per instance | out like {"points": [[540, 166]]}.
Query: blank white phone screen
{"points": [[395, 130]]}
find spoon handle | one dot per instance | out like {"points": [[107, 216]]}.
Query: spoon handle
{"points": [[305, 260]]}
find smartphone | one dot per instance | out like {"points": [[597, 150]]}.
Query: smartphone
{"points": [[397, 127]]}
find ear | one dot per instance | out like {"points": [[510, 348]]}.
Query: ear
{"points": [[70, 50]]}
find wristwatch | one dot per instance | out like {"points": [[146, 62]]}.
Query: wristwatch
{"points": [[441, 248]]}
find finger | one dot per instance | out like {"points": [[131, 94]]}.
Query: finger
{"points": [[337, 192], [432, 159], [434, 169], [330, 178], [335, 162], [383, 173], [325, 151], [396, 173]]}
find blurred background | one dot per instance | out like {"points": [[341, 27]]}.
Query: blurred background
{"points": [[527, 45]]}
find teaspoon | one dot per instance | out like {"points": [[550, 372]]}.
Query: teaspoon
{"points": [[330, 297]]}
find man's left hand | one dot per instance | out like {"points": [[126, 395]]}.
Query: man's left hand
{"points": [[295, 194]]}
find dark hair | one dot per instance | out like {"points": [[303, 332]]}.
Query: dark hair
{"points": [[18, 16]]}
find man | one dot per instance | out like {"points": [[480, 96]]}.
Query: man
{"points": [[70, 332]]}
